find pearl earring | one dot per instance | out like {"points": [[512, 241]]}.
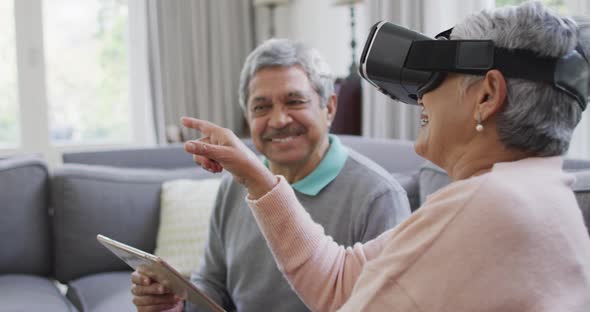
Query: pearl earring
{"points": [[479, 126]]}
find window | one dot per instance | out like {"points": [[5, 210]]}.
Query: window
{"points": [[86, 47], [9, 112], [65, 76]]}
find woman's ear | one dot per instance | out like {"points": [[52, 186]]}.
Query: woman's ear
{"points": [[492, 95]]}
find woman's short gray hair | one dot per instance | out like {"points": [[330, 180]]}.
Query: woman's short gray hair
{"points": [[284, 52], [537, 118]]}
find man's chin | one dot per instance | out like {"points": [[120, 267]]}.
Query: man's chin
{"points": [[291, 142], [285, 159], [282, 147]]}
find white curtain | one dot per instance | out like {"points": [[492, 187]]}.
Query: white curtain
{"points": [[139, 82], [196, 50], [383, 117]]}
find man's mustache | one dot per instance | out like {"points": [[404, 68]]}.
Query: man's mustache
{"points": [[283, 132]]}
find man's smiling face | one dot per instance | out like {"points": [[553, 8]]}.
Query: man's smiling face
{"points": [[287, 122]]}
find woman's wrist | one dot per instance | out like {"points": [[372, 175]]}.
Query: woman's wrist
{"points": [[261, 183]]}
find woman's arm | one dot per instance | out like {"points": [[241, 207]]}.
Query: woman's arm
{"points": [[322, 272]]}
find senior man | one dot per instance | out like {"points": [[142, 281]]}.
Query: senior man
{"points": [[287, 95]]}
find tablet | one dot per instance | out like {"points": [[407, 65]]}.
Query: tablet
{"points": [[160, 271]]}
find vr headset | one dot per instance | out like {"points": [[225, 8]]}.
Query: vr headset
{"points": [[404, 64]]}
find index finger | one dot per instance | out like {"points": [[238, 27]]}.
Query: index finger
{"points": [[203, 126]]}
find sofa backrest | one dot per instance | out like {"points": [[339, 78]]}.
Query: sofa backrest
{"points": [[121, 203], [393, 155], [396, 156], [163, 157], [25, 236], [160, 157]]}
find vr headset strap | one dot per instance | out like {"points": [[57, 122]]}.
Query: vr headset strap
{"points": [[477, 57], [569, 73]]}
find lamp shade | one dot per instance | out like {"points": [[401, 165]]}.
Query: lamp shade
{"points": [[270, 2], [345, 2]]}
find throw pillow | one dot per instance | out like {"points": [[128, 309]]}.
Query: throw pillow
{"points": [[185, 209]]}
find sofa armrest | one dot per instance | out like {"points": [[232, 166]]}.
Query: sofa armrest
{"points": [[24, 223]]}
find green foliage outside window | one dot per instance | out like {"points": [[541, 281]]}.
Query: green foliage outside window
{"points": [[88, 71], [112, 90]]}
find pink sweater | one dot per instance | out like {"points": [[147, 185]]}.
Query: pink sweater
{"points": [[512, 239]]}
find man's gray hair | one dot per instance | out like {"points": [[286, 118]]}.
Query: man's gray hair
{"points": [[286, 53], [537, 118]]}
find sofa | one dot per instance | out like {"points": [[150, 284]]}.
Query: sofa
{"points": [[50, 259]]}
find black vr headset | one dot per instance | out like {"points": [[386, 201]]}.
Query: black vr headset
{"points": [[404, 64]]}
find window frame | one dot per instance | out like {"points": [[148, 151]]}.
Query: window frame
{"points": [[33, 122]]}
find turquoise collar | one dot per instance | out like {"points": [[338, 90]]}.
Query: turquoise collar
{"points": [[328, 169]]}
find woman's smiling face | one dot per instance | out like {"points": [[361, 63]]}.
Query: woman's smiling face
{"points": [[447, 122]]}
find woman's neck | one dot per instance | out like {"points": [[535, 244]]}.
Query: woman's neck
{"points": [[479, 158]]}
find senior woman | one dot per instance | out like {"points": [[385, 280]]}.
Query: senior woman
{"points": [[506, 235]]}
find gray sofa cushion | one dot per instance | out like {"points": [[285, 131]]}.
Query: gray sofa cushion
{"points": [[31, 293], [104, 292], [121, 203], [24, 226]]}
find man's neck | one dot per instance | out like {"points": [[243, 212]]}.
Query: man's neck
{"points": [[297, 171]]}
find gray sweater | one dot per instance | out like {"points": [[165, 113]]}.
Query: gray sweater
{"points": [[239, 271]]}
